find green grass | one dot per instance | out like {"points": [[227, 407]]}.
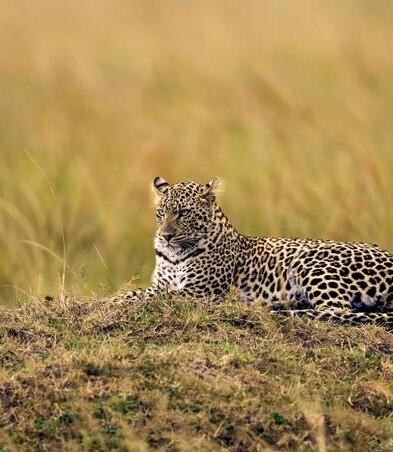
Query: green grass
{"points": [[93, 375]]}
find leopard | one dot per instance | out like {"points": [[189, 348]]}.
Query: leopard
{"points": [[200, 254]]}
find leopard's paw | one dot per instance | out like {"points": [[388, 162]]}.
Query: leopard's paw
{"points": [[131, 296]]}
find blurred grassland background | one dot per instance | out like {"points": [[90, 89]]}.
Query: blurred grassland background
{"points": [[291, 103]]}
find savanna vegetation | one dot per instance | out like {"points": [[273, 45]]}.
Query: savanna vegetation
{"points": [[177, 375], [290, 103]]}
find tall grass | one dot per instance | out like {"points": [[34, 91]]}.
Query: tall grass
{"points": [[289, 102]]}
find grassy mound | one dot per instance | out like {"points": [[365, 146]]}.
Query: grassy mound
{"points": [[176, 375]]}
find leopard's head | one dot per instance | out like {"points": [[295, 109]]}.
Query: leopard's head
{"points": [[185, 211]]}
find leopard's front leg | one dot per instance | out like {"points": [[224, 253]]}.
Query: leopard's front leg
{"points": [[140, 294], [158, 287]]}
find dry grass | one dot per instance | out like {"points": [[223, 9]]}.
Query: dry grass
{"points": [[290, 103], [174, 375]]}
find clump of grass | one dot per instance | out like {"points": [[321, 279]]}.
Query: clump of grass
{"points": [[89, 374]]}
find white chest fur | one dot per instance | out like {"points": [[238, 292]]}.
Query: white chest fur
{"points": [[179, 277], [172, 275], [169, 272]]}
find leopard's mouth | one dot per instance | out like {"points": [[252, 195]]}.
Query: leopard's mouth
{"points": [[186, 242]]}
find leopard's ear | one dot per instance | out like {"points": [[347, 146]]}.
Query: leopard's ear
{"points": [[160, 185], [211, 189]]}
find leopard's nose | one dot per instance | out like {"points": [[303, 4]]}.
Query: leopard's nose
{"points": [[168, 236]]}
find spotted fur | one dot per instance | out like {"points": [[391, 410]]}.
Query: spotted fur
{"points": [[200, 254]]}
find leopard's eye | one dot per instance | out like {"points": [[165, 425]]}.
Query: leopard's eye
{"points": [[159, 214], [184, 212]]}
